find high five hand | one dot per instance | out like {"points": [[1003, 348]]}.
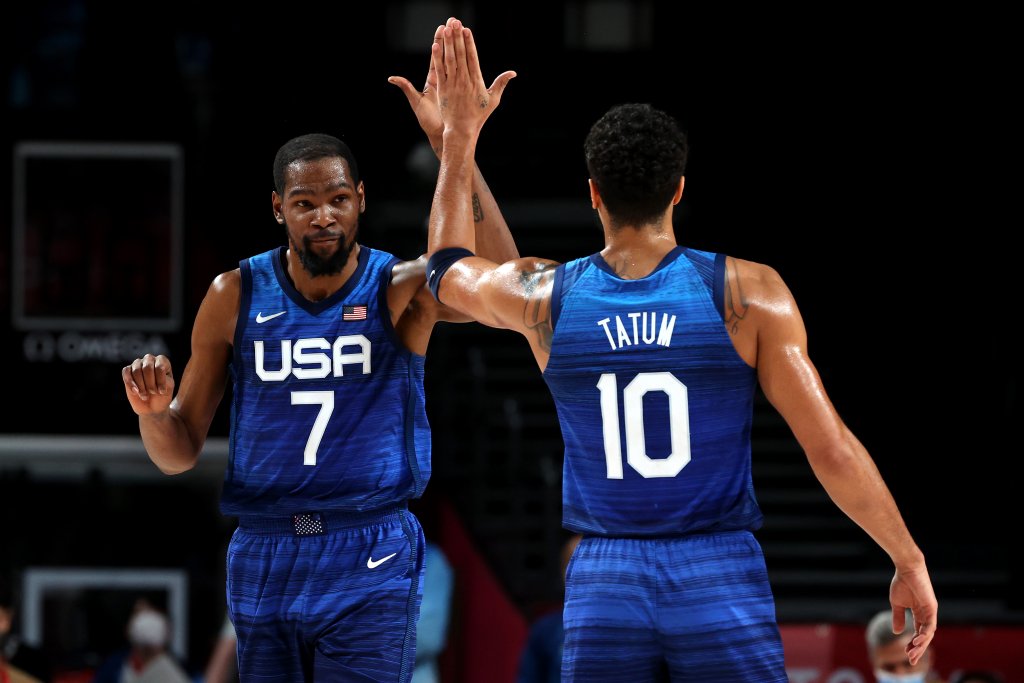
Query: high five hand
{"points": [[424, 102], [464, 101]]}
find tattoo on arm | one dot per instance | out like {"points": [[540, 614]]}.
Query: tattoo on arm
{"points": [[736, 304], [478, 211], [537, 284]]}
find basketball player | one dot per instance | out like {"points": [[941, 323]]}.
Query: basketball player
{"points": [[324, 342], [652, 353]]}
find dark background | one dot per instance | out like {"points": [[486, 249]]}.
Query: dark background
{"points": [[861, 153]]}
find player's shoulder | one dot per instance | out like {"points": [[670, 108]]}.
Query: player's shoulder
{"points": [[225, 291], [527, 270], [227, 282], [752, 274], [758, 288]]}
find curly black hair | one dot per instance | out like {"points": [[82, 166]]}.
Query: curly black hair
{"points": [[636, 155], [310, 148]]}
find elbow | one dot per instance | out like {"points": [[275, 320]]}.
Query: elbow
{"points": [[175, 468], [831, 458], [179, 463]]}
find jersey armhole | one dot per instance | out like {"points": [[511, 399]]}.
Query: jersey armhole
{"points": [[718, 285], [382, 302], [556, 295], [245, 302]]}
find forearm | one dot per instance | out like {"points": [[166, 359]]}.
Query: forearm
{"points": [[451, 213], [168, 442], [494, 240], [852, 480]]}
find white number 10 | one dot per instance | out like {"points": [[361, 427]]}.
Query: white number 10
{"points": [[633, 412]]}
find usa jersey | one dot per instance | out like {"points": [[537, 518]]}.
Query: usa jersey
{"points": [[654, 402], [328, 406]]}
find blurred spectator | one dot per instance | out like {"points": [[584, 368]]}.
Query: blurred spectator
{"points": [[223, 664], [887, 652], [541, 661], [432, 627], [13, 651], [12, 674], [146, 660], [976, 676]]}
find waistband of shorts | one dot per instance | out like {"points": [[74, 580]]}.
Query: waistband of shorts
{"points": [[298, 524], [695, 534]]}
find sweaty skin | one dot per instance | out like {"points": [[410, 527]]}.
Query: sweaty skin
{"points": [[320, 202], [762, 320]]}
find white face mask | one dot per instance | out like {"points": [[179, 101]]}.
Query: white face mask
{"points": [[886, 677]]}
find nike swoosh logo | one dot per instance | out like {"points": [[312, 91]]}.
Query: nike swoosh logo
{"points": [[432, 272], [261, 319], [373, 564]]}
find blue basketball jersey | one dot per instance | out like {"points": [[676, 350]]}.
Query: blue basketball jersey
{"points": [[654, 402], [328, 406]]}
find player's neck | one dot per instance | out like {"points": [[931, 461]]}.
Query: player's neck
{"points": [[636, 252], [322, 286]]}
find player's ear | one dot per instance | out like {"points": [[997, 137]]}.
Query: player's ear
{"points": [[595, 196], [277, 204], [361, 191], [679, 190]]}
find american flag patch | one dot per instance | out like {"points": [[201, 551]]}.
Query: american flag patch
{"points": [[357, 312]]}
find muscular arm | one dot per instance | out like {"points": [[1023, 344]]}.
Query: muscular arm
{"points": [[513, 296], [840, 462], [174, 434], [413, 310], [517, 294], [494, 240]]}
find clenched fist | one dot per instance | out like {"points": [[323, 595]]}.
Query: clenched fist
{"points": [[149, 384]]}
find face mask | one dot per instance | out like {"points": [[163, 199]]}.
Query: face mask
{"points": [[886, 677]]}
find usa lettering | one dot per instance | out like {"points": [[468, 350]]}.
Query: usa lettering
{"points": [[639, 328], [316, 358]]}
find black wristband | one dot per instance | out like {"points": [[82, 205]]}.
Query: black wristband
{"points": [[440, 262]]}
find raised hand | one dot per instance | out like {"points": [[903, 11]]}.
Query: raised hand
{"points": [[424, 102], [149, 384], [463, 99]]}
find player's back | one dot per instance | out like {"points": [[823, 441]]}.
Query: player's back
{"points": [[328, 406], [654, 402]]}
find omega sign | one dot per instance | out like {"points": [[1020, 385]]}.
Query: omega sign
{"points": [[80, 347]]}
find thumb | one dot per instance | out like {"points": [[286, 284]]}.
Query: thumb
{"points": [[411, 93], [500, 82], [899, 619]]}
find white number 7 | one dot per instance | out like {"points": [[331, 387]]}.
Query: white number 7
{"points": [[633, 412], [326, 401]]}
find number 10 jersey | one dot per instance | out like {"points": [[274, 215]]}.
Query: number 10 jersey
{"points": [[655, 404]]}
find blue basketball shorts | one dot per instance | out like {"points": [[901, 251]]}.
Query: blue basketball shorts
{"points": [[326, 596], [691, 608]]}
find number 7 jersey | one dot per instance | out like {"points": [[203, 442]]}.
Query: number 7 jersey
{"points": [[655, 404], [328, 408]]}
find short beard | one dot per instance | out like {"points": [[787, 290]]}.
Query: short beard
{"points": [[317, 266]]}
